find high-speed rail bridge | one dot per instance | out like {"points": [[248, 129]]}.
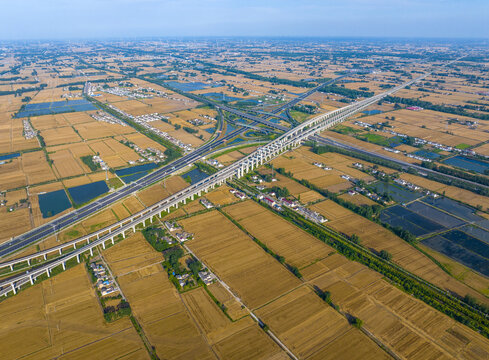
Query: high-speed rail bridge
{"points": [[292, 138], [73, 217]]}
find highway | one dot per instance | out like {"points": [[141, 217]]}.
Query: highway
{"points": [[77, 215], [289, 140]]}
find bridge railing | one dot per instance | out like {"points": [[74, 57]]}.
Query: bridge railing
{"points": [[284, 142]]}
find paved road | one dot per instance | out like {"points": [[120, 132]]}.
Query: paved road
{"points": [[77, 215]]}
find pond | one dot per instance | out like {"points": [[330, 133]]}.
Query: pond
{"points": [[453, 207], [462, 247], [235, 141], [468, 164], [397, 193], [133, 177], [427, 154], [189, 86], [372, 112], [53, 203], [195, 175], [84, 193], [398, 216], [9, 156], [55, 107], [229, 129], [135, 169]]}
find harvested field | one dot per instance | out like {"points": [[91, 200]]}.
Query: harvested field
{"points": [[65, 164], [48, 121], [409, 327], [161, 190], [133, 205], [300, 164], [303, 312], [12, 176], [36, 168], [234, 309], [142, 141], [250, 343], [155, 301], [221, 196], [357, 199], [60, 135], [61, 317], [378, 238], [229, 158], [96, 130], [239, 340], [14, 223], [193, 206], [237, 260], [298, 247]]}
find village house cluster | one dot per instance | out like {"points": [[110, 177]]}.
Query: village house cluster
{"points": [[148, 154], [279, 203], [98, 160], [105, 284], [322, 166], [206, 203], [214, 162], [28, 131], [143, 121], [106, 117], [238, 194], [180, 234], [136, 93]]}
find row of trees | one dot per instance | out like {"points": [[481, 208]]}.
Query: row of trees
{"points": [[458, 310], [442, 108]]}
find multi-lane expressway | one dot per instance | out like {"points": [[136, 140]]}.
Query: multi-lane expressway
{"points": [[79, 214], [290, 139]]}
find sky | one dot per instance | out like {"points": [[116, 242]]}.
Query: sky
{"points": [[79, 19]]}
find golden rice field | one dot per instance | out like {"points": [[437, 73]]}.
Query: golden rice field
{"points": [[302, 312], [237, 260], [298, 247], [61, 317], [378, 238], [190, 325], [407, 326]]}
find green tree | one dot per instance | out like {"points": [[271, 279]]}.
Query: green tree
{"points": [[384, 254]]}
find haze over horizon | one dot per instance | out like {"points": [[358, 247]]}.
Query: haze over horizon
{"points": [[62, 19]]}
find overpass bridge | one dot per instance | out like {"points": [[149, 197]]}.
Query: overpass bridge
{"points": [[291, 139]]}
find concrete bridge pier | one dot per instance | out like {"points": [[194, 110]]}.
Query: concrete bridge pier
{"points": [[44, 256], [64, 265], [31, 279], [78, 258], [112, 240], [48, 273], [11, 268], [91, 251], [103, 245], [13, 288]]}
